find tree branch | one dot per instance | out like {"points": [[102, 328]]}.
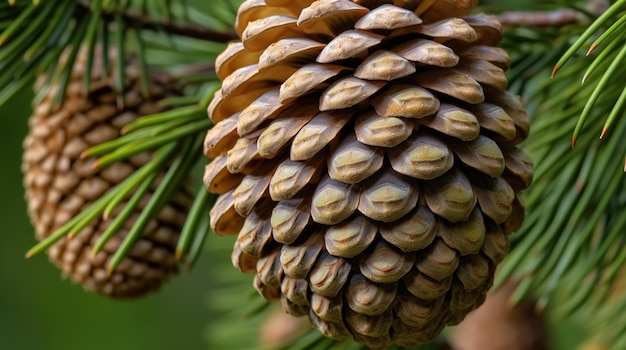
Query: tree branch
{"points": [[556, 18]]}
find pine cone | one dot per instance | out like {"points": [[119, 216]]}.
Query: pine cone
{"points": [[59, 184], [365, 153]]}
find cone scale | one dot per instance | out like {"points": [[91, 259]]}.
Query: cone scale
{"points": [[365, 155], [60, 183]]}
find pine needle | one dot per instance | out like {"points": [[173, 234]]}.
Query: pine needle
{"points": [[197, 211], [599, 89], [90, 42], [125, 213], [172, 179], [597, 24]]}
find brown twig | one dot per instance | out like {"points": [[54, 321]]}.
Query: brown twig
{"points": [[188, 30], [556, 18]]}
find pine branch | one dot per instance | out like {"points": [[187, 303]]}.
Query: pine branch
{"points": [[130, 18]]}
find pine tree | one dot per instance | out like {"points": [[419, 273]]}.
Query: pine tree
{"points": [[129, 108]]}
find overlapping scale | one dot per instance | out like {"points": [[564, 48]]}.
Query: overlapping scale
{"points": [[380, 138], [422, 156], [449, 28], [224, 217], [495, 55], [330, 17], [451, 196], [367, 297], [281, 130], [351, 237], [256, 233], [424, 287], [307, 78], [370, 326], [249, 192], [328, 275], [371, 129], [384, 65], [413, 232], [317, 133], [348, 44], [407, 101], [387, 17], [385, 264], [295, 290], [326, 308], [260, 33], [290, 177], [335, 201], [298, 259], [387, 197], [289, 218], [348, 92], [352, 162], [427, 52], [288, 53]]}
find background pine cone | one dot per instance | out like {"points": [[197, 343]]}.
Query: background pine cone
{"points": [[365, 153], [59, 184]]}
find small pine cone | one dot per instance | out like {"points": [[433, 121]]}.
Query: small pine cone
{"points": [[365, 153], [60, 184]]}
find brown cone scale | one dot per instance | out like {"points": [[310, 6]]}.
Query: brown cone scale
{"points": [[59, 183], [366, 153]]}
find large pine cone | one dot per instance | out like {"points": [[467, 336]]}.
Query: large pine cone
{"points": [[59, 184], [365, 153]]}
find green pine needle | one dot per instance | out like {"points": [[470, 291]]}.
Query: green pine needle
{"points": [[198, 211], [125, 214], [143, 62], [60, 19], [614, 29], [570, 247], [203, 231], [597, 24], [151, 143], [90, 42], [93, 211], [186, 113], [600, 88], [20, 21], [120, 49], [171, 181], [153, 167]]}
